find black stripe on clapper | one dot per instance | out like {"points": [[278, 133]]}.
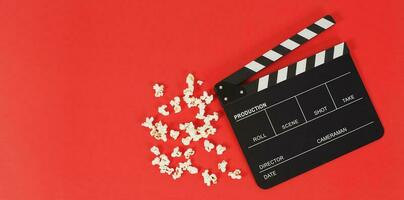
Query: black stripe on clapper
{"points": [[263, 61], [329, 55], [310, 62], [291, 71], [281, 50]]}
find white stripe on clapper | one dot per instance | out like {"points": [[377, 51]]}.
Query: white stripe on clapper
{"points": [[282, 74], [338, 50], [272, 55], [300, 66], [324, 23], [290, 44], [306, 33], [263, 83], [254, 66], [319, 59]]}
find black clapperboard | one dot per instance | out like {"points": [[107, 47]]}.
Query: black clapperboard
{"points": [[302, 115]]}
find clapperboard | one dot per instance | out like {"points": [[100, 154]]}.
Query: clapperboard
{"points": [[302, 115]]}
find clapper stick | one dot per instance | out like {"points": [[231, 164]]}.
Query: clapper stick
{"points": [[228, 85]]}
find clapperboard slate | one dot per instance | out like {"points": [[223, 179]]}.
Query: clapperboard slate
{"points": [[302, 115]]}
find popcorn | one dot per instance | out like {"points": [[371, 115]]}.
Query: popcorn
{"points": [[158, 130], [194, 133], [164, 160], [188, 153], [208, 145], [222, 166], [220, 149], [235, 174], [206, 97], [148, 123], [175, 103], [186, 140], [177, 173], [174, 134], [162, 110], [156, 161], [201, 113], [158, 90], [176, 152], [155, 150], [166, 170], [209, 179], [192, 170]]}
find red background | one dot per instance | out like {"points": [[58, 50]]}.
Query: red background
{"points": [[76, 78]]}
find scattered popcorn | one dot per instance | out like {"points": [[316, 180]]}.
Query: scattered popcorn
{"points": [[155, 150], [209, 179], [220, 149], [158, 90], [176, 152], [194, 131], [188, 153], [208, 145], [175, 103], [174, 134], [162, 110], [186, 140], [222, 166], [236, 174]]}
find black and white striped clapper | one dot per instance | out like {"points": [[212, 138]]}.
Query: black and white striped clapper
{"points": [[302, 115]]}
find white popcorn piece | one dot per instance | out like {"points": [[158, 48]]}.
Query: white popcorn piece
{"points": [[159, 131], [175, 103], [199, 82], [201, 113], [186, 140], [177, 173], [158, 90], [222, 166], [164, 160], [209, 179], [155, 150], [190, 80], [174, 134], [236, 174], [220, 149], [208, 145], [148, 122], [192, 170], [156, 161], [184, 165], [162, 110], [188, 153], [176, 153], [206, 97], [164, 169]]}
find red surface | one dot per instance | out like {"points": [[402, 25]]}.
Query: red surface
{"points": [[76, 77]]}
